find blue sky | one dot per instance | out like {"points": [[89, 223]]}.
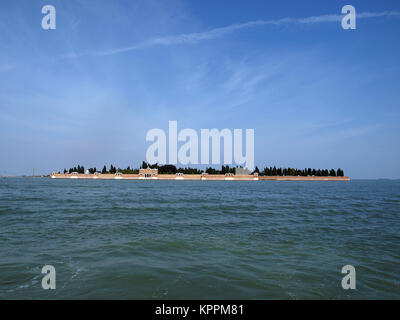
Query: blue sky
{"points": [[315, 94]]}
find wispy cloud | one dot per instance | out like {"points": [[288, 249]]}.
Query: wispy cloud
{"points": [[190, 38], [219, 32]]}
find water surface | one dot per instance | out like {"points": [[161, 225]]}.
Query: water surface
{"points": [[199, 239]]}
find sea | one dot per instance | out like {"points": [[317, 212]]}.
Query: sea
{"points": [[113, 239]]}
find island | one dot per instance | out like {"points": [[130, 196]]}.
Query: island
{"points": [[171, 172]]}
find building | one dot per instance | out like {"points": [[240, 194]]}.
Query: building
{"points": [[148, 173]]}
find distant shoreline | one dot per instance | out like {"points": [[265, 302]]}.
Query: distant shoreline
{"points": [[200, 177]]}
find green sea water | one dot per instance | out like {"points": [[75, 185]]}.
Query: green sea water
{"points": [[199, 239]]}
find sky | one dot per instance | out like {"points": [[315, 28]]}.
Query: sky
{"points": [[87, 92]]}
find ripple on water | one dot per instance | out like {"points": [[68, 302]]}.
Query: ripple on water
{"points": [[168, 240]]}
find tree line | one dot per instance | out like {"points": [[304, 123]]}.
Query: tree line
{"points": [[273, 171], [171, 169]]}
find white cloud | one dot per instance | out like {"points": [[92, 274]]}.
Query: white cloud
{"points": [[219, 32]]}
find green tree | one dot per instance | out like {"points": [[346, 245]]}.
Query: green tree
{"points": [[112, 169], [144, 165]]}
